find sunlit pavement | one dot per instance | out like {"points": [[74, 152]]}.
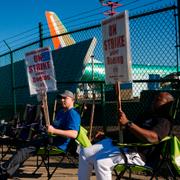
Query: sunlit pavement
{"points": [[66, 173]]}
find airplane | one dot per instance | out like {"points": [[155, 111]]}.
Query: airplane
{"points": [[56, 27]]}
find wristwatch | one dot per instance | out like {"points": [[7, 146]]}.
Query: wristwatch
{"points": [[129, 123]]}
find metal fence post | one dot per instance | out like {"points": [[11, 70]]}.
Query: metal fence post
{"points": [[103, 107], [40, 35], [12, 79], [178, 45]]}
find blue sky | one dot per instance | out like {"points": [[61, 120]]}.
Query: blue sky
{"points": [[20, 15]]}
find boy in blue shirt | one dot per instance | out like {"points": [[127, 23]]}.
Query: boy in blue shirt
{"points": [[65, 127]]}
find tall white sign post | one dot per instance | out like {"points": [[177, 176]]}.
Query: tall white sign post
{"points": [[41, 75], [116, 48]]}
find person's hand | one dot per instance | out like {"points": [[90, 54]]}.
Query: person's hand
{"points": [[99, 135], [123, 120], [50, 129]]}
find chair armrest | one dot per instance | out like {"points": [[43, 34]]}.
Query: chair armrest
{"points": [[142, 144], [133, 144]]}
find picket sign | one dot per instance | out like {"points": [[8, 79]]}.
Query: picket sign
{"points": [[41, 76], [117, 56], [40, 71]]}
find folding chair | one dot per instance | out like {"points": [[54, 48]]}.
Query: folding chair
{"points": [[32, 120], [49, 151], [7, 135], [175, 154], [21, 131], [163, 148], [82, 138]]}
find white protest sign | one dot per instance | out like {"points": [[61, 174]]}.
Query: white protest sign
{"points": [[116, 47], [40, 71]]}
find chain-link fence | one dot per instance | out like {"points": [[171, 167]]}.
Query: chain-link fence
{"points": [[155, 66]]}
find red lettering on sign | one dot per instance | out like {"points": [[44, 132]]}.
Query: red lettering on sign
{"points": [[41, 78], [114, 42], [37, 58], [39, 67], [112, 30], [115, 60]]}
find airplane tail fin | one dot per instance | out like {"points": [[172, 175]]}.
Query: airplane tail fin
{"points": [[56, 27]]}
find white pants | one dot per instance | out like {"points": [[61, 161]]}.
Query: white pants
{"points": [[103, 156]]}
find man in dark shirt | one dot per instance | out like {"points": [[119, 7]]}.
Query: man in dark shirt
{"points": [[151, 128]]}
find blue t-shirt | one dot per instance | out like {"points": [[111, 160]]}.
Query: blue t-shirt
{"points": [[65, 120]]}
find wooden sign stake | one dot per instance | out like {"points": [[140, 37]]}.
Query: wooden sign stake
{"points": [[118, 92], [45, 108], [92, 117], [54, 109]]}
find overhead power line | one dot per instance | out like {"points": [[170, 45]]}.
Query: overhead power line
{"points": [[83, 18]]}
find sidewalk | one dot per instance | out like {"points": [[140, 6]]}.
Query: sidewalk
{"points": [[65, 171]]}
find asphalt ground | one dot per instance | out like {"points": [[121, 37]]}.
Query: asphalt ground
{"points": [[66, 170]]}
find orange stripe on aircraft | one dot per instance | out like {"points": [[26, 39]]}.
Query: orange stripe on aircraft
{"points": [[57, 28]]}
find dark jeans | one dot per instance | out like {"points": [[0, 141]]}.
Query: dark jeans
{"points": [[22, 154]]}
